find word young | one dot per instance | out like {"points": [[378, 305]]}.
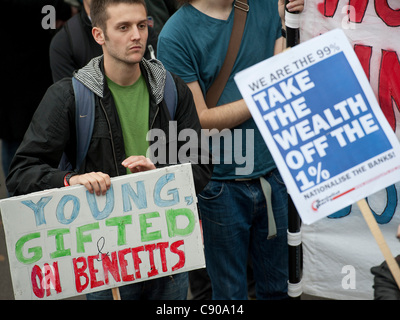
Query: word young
{"points": [[210, 140]]}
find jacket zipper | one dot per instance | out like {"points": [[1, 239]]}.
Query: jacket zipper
{"points": [[154, 118], [111, 136]]}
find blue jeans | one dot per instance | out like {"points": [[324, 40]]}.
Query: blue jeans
{"points": [[166, 288], [235, 225]]}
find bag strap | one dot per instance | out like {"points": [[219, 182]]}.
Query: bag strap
{"points": [[239, 21], [84, 122], [170, 95], [85, 109]]}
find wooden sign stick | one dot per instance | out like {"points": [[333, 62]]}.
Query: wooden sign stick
{"points": [[116, 294], [376, 232]]}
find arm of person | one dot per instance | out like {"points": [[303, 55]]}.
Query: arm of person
{"points": [[187, 118], [138, 164], [99, 182], [225, 116], [95, 182]]}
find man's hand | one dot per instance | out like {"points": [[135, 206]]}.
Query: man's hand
{"points": [[138, 164], [97, 182], [292, 6]]}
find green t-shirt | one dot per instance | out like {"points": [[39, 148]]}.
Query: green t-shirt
{"points": [[132, 104]]}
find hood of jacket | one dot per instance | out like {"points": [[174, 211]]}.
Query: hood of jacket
{"points": [[92, 77]]}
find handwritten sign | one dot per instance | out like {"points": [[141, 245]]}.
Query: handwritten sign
{"points": [[320, 119], [65, 242]]}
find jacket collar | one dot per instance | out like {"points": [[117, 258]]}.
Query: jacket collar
{"points": [[92, 76]]}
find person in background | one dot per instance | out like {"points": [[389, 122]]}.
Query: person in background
{"points": [[159, 12], [25, 64], [73, 46], [233, 207], [385, 286], [129, 101]]}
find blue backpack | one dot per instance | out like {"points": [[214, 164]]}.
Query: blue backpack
{"points": [[85, 105]]}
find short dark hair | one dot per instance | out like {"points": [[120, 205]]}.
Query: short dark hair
{"points": [[98, 10]]}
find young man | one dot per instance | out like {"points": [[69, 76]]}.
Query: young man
{"points": [[74, 46], [233, 207], [128, 102]]}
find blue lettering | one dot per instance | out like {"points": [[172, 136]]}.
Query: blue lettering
{"points": [[138, 198], [159, 186], [38, 209], [108, 208], [385, 217], [60, 209], [390, 209], [341, 213]]}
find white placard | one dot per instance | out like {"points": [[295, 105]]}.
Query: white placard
{"points": [[65, 242], [320, 119]]}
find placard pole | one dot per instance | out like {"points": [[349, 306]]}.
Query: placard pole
{"points": [[380, 240], [116, 294]]}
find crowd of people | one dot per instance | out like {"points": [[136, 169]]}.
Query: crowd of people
{"points": [[244, 217]]}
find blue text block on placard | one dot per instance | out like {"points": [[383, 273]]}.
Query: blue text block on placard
{"points": [[321, 121]]}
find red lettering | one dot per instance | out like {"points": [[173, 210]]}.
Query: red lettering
{"points": [[389, 85], [174, 249], [387, 14], [123, 263], [328, 7], [51, 278], [48, 278], [359, 6], [110, 267], [80, 272], [162, 246], [153, 270], [137, 261], [38, 290], [364, 55], [92, 271], [114, 263]]}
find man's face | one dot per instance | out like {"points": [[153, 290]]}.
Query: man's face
{"points": [[126, 34]]}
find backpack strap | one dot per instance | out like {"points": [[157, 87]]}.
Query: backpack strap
{"points": [[170, 95], [85, 109]]}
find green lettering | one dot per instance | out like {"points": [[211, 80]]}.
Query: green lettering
{"points": [[36, 251], [155, 235], [60, 249], [120, 222], [173, 229], [81, 238]]}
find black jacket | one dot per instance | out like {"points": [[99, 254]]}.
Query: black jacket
{"points": [[385, 287], [52, 130]]}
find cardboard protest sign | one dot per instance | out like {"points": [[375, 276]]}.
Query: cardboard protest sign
{"points": [[65, 242], [320, 119]]}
